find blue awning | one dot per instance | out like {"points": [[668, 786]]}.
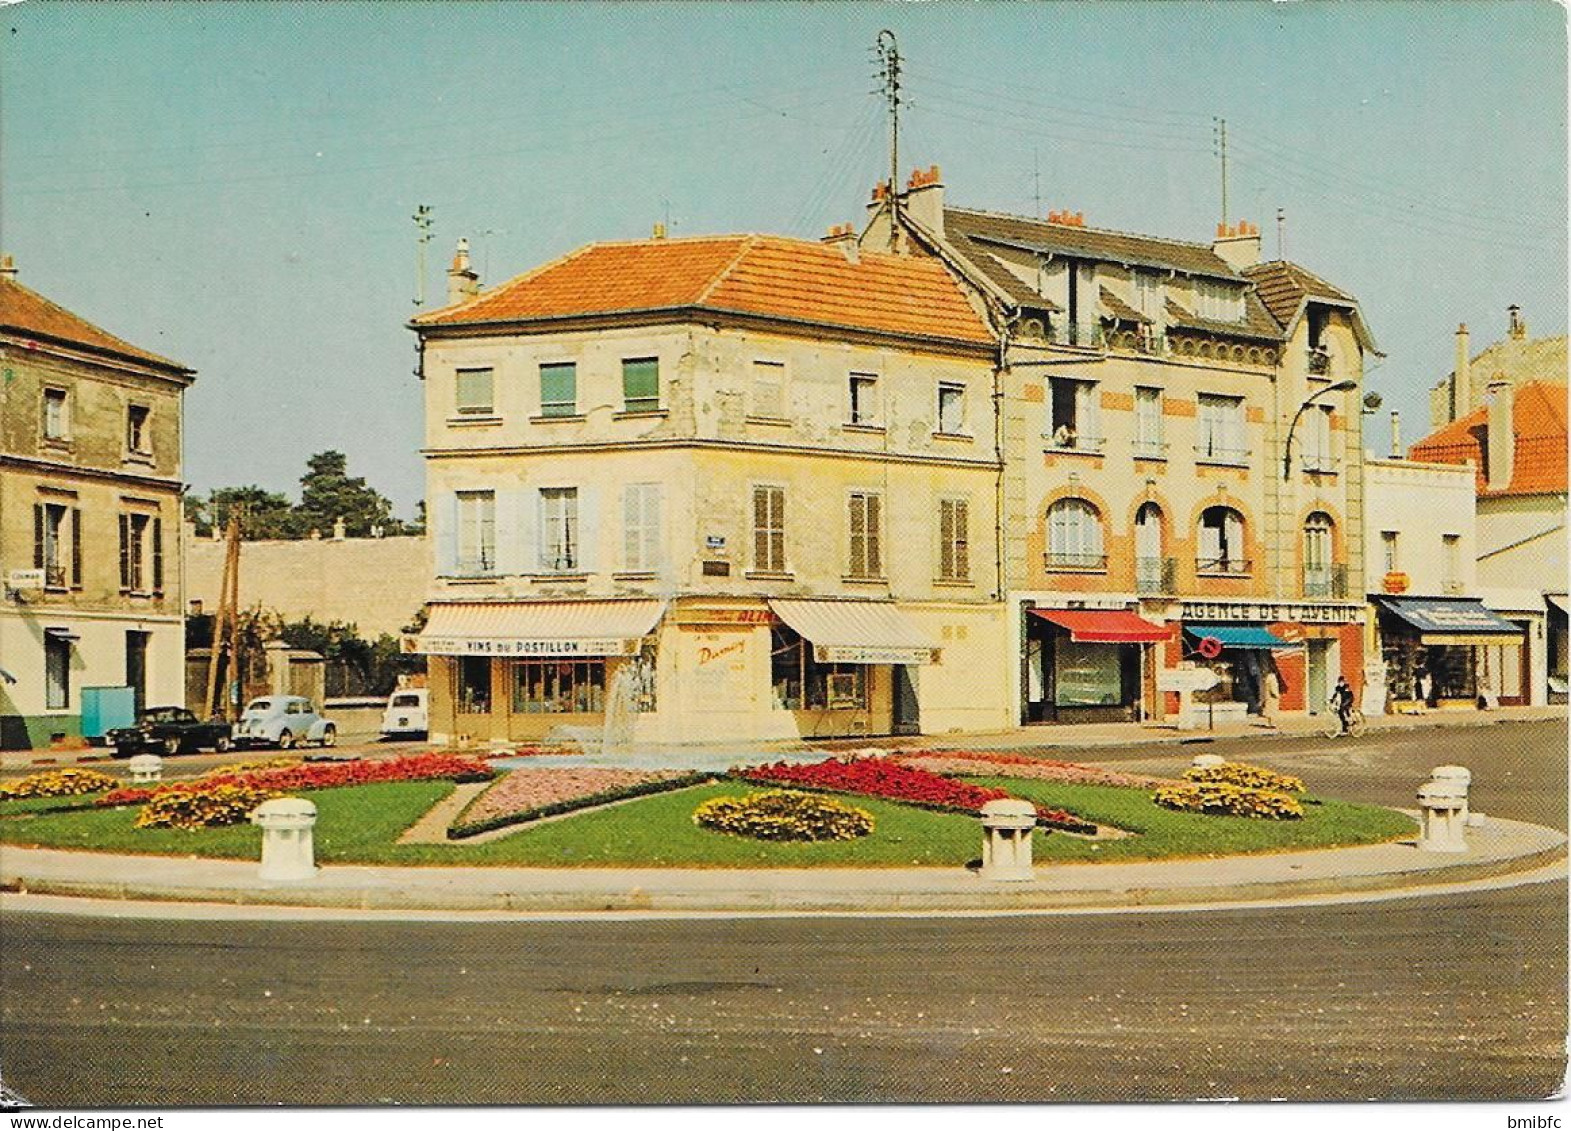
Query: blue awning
{"points": [[1452, 620], [1240, 635]]}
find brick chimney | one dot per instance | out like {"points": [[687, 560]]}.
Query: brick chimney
{"points": [[1500, 444], [1238, 244], [462, 281], [7, 268], [1518, 328], [923, 199], [842, 236], [1462, 380]]}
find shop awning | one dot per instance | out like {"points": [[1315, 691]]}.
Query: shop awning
{"points": [[538, 628], [1104, 626], [1240, 636], [1452, 620], [857, 632]]}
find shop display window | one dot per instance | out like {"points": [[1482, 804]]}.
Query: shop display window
{"points": [[559, 687]]}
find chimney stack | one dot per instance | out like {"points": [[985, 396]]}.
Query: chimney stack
{"points": [[1396, 435], [1238, 244], [1500, 442], [1518, 328], [7, 268], [924, 199], [462, 281], [842, 236], [1462, 380]]}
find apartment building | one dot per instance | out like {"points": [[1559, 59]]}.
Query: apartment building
{"points": [[89, 521], [709, 488], [1183, 470]]}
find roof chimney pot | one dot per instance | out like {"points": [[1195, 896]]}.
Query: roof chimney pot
{"points": [[7, 267], [1518, 327], [462, 281]]}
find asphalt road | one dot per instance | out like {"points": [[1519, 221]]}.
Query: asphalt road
{"points": [[1459, 997]]}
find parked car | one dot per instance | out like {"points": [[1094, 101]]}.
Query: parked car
{"points": [[283, 721], [169, 730], [407, 713]]}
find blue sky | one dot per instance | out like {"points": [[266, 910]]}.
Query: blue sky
{"points": [[232, 184]]}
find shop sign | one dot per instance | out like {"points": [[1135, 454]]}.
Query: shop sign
{"points": [[507, 648], [872, 654], [1186, 679], [725, 616], [1272, 612]]}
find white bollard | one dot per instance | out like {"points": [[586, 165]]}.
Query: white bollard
{"points": [[146, 768], [1461, 777], [1207, 761], [1441, 826], [288, 850], [1006, 839]]}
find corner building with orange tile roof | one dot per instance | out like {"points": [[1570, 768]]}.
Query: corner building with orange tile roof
{"points": [[713, 488]]}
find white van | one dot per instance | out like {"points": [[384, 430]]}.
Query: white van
{"points": [[407, 714]]}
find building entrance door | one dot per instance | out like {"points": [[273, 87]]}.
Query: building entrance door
{"points": [[906, 720], [136, 666], [1319, 674]]}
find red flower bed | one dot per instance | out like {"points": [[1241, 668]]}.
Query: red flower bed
{"points": [[126, 795], [879, 777], [332, 775]]}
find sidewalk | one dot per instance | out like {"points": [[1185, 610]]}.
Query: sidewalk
{"points": [[1498, 848]]}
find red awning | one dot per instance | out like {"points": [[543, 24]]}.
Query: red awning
{"points": [[1105, 626]]}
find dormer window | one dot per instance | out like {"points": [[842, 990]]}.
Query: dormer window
{"points": [[1218, 301]]}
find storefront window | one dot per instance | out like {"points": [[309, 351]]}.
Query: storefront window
{"points": [[1087, 675], [559, 687], [801, 682], [474, 685]]}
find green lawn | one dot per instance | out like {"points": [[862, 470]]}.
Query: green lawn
{"points": [[360, 825]]}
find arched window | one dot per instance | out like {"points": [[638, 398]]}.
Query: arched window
{"points": [[1074, 536], [1153, 572], [1221, 542], [1319, 573]]}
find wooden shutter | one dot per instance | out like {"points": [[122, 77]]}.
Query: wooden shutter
{"points": [[158, 554], [76, 547], [961, 525], [761, 528], [584, 515], [445, 529], [875, 553], [38, 535], [125, 552]]}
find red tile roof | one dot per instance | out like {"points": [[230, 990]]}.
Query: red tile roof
{"points": [[28, 313], [1538, 466], [765, 276]]}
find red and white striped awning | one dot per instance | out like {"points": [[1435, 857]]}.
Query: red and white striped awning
{"points": [[538, 628]]}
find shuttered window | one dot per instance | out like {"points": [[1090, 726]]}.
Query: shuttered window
{"points": [[559, 529], [476, 392], [641, 527], [866, 548], [641, 384], [769, 529], [954, 540]]}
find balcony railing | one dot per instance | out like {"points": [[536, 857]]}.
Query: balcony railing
{"points": [[1319, 362], [1156, 575], [1216, 453], [1062, 440], [1070, 334], [1087, 562], [482, 566], [1221, 567], [1326, 581], [1150, 449]]}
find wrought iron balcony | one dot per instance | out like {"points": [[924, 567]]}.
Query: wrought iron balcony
{"points": [[1075, 562], [1326, 581], [1221, 567], [1156, 575]]}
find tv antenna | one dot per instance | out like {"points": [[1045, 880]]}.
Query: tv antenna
{"points": [[889, 75], [422, 219]]}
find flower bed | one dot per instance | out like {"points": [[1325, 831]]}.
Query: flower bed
{"points": [[893, 780], [977, 763], [1228, 799], [202, 805], [1243, 774], [779, 814], [57, 783], [537, 750], [527, 795]]}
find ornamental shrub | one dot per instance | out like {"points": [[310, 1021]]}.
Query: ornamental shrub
{"points": [[1228, 799], [1250, 777], [779, 814], [57, 783], [202, 806]]}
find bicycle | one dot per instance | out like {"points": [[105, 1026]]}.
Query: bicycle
{"points": [[1332, 727]]}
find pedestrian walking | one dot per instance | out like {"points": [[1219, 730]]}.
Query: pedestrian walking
{"points": [[1270, 696]]}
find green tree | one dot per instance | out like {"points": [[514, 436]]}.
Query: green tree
{"points": [[328, 493], [264, 513]]}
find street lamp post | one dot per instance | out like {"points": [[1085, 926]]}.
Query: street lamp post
{"points": [[1287, 446]]}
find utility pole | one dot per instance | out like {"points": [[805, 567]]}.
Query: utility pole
{"points": [[226, 624], [1221, 150], [889, 74], [422, 219], [1036, 179]]}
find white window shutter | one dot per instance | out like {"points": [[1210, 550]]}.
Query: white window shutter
{"points": [[445, 530], [588, 529], [511, 550]]}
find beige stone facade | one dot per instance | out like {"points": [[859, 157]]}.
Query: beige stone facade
{"points": [[377, 584], [90, 540]]}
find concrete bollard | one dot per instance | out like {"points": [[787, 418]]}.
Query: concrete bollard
{"points": [[288, 850], [1206, 761], [1461, 777], [1006, 839], [1441, 826], [146, 768]]}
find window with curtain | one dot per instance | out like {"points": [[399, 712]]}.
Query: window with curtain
{"points": [[1221, 541], [1148, 422], [1220, 423], [1317, 439], [1317, 555], [1074, 535], [559, 548], [476, 532]]}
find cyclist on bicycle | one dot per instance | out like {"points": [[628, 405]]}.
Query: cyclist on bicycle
{"points": [[1342, 703]]}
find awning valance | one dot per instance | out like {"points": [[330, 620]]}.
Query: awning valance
{"points": [[1240, 636], [857, 632], [538, 628], [1104, 626], [1451, 620]]}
